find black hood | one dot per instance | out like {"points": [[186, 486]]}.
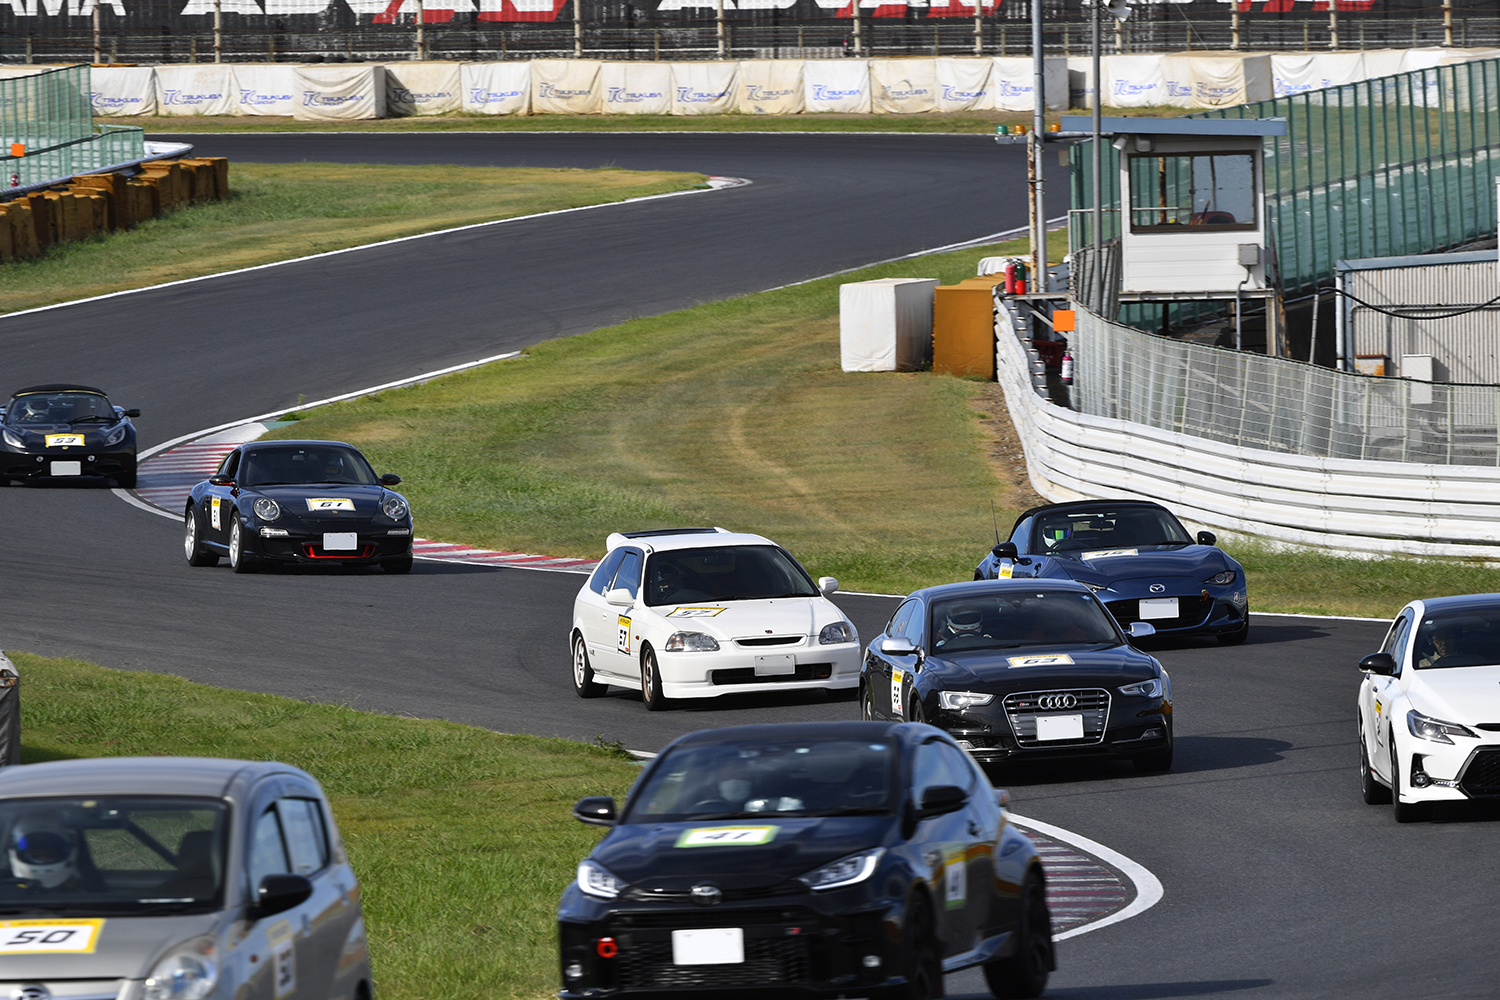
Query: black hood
{"points": [[293, 498], [1196, 561], [991, 670]]}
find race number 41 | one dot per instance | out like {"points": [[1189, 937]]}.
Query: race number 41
{"points": [[22, 937]]}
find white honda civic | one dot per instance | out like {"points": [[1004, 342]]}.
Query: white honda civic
{"points": [[702, 612], [1429, 707]]}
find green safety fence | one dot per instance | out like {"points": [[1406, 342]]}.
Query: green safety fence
{"points": [[47, 129]]}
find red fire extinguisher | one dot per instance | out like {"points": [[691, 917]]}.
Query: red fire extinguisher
{"points": [[1010, 278], [1067, 368], [1020, 279]]}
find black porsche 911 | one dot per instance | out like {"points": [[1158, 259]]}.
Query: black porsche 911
{"points": [[1021, 669], [857, 859], [65, 432], [308, 502], [1138, 558]]}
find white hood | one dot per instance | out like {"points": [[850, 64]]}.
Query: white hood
{"points": [[1466, 695], [747, 619]]}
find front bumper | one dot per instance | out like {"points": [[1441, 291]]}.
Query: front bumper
{"points": [[41, 465], [1122, 727], [732, 670], [300, 545], [1206, 611], [1440, 772]]}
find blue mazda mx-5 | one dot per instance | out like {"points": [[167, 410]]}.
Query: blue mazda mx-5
{"points": [[1138, 558]]}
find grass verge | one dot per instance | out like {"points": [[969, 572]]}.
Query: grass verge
{"points": [[461, 837], [278, 212]]}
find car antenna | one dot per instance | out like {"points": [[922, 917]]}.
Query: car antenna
{"points": [[995, 519]]}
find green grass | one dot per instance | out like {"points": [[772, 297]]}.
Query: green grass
{"points": [[461, 837], [278, 212]]}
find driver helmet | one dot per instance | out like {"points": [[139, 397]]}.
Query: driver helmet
{"points": [[333, 465], [33, 409], [963, 620], [42, 848]]}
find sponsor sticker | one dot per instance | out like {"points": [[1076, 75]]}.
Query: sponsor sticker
{"points": [[1049, 660], [896, 677], [622, 641], [329, 503], [1007, 568], [955, 878], [693, 612], [1106, 553], [726, 836], [31, 937], [64, 440], [284, 953], [214, 517]]}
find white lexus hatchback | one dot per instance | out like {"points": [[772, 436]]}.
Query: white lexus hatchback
{"points": [[1429, 707], [702, 612]]}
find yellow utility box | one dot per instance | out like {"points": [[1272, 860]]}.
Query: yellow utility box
{"points": [[963, 327]]}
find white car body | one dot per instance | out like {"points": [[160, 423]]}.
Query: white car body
{"points": [[1430, 731], [770, 644]]}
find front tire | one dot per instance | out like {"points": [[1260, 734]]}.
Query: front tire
{"points": [[1024, 974], [584, 684], [1235, 638], [1161, 760], [239, 561], [867, 703], [1406, 812], [401, 564], [924, 973], [196, 554], [651, 694], [126, 480], [1371, 790]]}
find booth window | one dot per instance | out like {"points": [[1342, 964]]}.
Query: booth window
{"points": [[1206, 192]]}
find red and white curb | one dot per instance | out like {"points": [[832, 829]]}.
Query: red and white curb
{"points": [[1087, 882]]}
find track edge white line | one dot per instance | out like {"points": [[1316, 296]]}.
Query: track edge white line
{"points": [[1148, 889]]}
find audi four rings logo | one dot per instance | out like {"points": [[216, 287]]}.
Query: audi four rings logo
{"points": [[1157, 588], [706, 895], [1050, 701]]}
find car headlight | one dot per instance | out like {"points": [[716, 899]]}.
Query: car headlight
{"points": [[1223, 579], [13, 439], [188, 972], [837, 632], [394, 508], [1143, 689], [1425, 727], [691, 642], [845, 871], [117, 435], [957, 701], [598, 881], [267, 509]]}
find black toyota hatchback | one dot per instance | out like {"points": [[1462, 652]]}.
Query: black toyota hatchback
{"points": [[64, 432], [806, 859]]}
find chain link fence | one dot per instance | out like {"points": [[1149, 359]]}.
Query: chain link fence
{"points": [[47, 129]]}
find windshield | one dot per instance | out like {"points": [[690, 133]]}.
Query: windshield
{"points": [[727, 573], [804, 777], [112, 854], [1108, 528], [59, 408], [305, 465], [1013, 619], [1469, 638]]}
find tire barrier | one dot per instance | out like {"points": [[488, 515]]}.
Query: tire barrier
{"points": [[91, 204]]}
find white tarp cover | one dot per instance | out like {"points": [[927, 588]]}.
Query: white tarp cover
{"points": [[704, 88], [1080, 87], [903, 86], [1014, 78], [636, 88], [266, 88], [885, 324], [1134, 82], [500, 88], [327, 93], [1177, 78], [123, 90], [1224, 80], [196, 89], [1299, 72], [770, 87], [963, 84], [565, 87], [839, 86], [423, 88]]}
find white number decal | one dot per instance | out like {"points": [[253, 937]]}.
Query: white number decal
{"points": [[896, 677], [622, 642]]}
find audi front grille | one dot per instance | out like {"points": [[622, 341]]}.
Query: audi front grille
{"points": [[1023, 707]]}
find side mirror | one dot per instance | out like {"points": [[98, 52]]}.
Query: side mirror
{"points": [[1379, 663], [619, 597], [390, 479], [1005, 550], [897, 646], [1139, 630], [1002, 797], [279, 893], [596, 810], [1207, 538], [132, 412], [217, 480], [941, 799], [827, 585]]}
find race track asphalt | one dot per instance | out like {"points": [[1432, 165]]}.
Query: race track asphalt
{"points": [[1278, 881]]}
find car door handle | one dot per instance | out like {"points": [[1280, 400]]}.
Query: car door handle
{"points": [[973, 828]]}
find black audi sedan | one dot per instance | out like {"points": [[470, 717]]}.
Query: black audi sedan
{"points": [[1020, 670], [806, 859], [307, 502], [66, 433], [1138, 558]]}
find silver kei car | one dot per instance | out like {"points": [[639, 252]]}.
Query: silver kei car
{"points": [[175, 878]]}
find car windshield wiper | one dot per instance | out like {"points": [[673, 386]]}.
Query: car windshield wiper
{"points": [[90, 416], [852, 811]]}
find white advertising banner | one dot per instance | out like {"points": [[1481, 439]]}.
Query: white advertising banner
{"points": [[423, 88], [1134, 82], [1080, 84], [964, 84], [836, 86], [1224, 80], [636, 88], [266, 88], [328, 93], [1013, 79], [1383, 62], [565, 87], [196, 89], [502, 88], [770, 87], [704, 88], [123, 90], [1177, 78], [903, 86], [1297, 73]]}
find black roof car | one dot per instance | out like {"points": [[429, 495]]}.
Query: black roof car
{"points": [[63, 432]]}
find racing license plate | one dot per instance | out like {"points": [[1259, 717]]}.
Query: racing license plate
{"points": [[1158, 607], [20, 937], [776, 665], [1059, 727], [340, 540], [67, 468], [709, 946]]}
